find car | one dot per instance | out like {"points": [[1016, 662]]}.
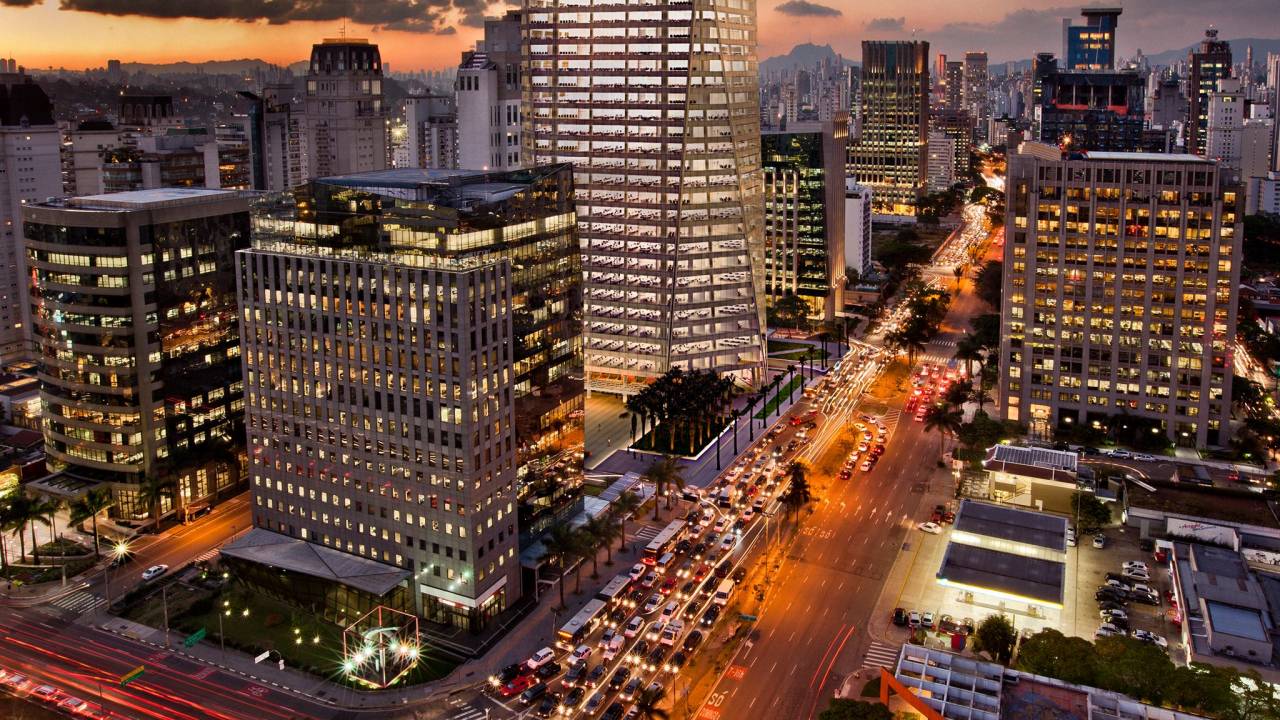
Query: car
{"points": [[721, 525], [654, 631], [899, 617], [1135, 565], [701, 571], [635, 597], [1099, 541], [580, 653], [699, 550], [573, 698], [1106, 605], [1117, 584], [723, 569], [16, 682], [548, 671], [686, 590], [1146, 636], [675, 662], [549, 706], [932, 528], [517, 685], [653, 603], [863, 447], [726, 542], [649, 580], [633, 627], [1143, 589], [1144, 457], [1137, 574], [1110, 593], [668, 586], [540, 658], [638, 571], [748, 515], [593, 704], [620, 677], [867, 464], [154, 572], [595, 676], [692, 640], [613, 712], [1107, 630], [739, 574], [509, 673], [47, 693], [926, 620], [632, 686], [575, 675], [1108, 613], [913, 618], [1119, 622], [711, 615], [1150, 598], [638, 651], [656, 658]]}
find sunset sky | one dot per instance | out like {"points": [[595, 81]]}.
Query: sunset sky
{"points": [[416, 34]]}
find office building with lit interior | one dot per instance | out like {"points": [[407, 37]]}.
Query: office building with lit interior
{"points": [[891, 154], [1120, 292], [383, 373], [662, 126], [134, 308]]}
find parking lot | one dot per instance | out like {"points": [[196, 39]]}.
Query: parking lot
{"points": [[913, 586]]}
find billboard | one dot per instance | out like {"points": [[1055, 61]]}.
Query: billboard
{"points": [[1203, 531]]}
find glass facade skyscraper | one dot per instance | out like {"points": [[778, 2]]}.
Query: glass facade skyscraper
{"points": [[890, 156]]}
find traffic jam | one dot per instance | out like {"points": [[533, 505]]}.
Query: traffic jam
{"points": [[645, 624]]}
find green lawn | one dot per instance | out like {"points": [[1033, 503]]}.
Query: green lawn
{"points": [[254, 623], [45, 573], [797, 355], [783, 345], [783, 391]]}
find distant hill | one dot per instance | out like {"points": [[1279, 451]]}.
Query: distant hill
{"points": [[1261, 46], [802, 55], [211, 67]]}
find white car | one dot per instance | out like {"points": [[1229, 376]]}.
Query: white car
{"points": [[540, 658], [720, 526], [669, 610], [727, 541], [638, 570], [1107, 630], [1136, 574], [1143, 588], [154, 572], [932, 528], [651, 604], [1135, 565], [1112, 613], [1151, 637], [1143, 457], [633, 627], [926, 620], [705, 520]]}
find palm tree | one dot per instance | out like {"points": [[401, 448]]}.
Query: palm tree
{"points": [[596, 532], [152, 492], [647, 701], [6, 526], [40, 513], [560, 544], [663, 473], [623, 507], [584, 548], [980, 395], [945, 421], [798, 494], [21, 511], [791, 387], [90, 506], [968, 352], [611, 527]]}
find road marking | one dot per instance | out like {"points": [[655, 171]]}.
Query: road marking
{"points": [[881, 655], [736, 672], [80, 601]]}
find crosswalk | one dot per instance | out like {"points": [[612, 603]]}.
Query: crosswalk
{"points": [[890, 420], [881, 655], [465, 711], [933, 359], [944, 342], [646, 533], [80, 601], [207, 555]]}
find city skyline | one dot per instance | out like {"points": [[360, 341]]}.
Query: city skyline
{"points": [[431, 35]]}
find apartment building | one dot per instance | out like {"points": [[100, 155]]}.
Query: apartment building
{"points": [[488, 93]]}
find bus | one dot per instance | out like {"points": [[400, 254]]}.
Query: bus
{"points": [[580, 626], [615, 593], [664, 541]]}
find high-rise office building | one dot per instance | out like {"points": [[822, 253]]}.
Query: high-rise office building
{"points": [[382, 372], [346, 122], [890, 157], [1088, 109], [1120, 293], [134, 320], [977, 96], [942, 161], [432, 125], [1166, 105], [1225, 127], [857, 228], [662, 126], [488, 92], [1206, 66], [83, 145], [953, 87], [957, 125], [1091, 46], [30, 170], [804, 213]]}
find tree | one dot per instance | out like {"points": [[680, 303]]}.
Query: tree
{"points": [[790, 311], [89, 507], [647, 702], [1051, 653], [584, 548], [1091, 513], [560, 543], [22, 510], [1133, 667], [598, 531], [152, 492], [956, 395], [7, 525], [980, 395], [989, 285], [943, 420], [622, 508], [968, 351], [798, 494], [40, 513], [995, 636], [842, 709]]}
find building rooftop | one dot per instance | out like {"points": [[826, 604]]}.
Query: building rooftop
{"points": [[293, 555], [1212, 503], [148, 199], [1008, 523], [1145, 157], [1003, 573], [1036, 456]]}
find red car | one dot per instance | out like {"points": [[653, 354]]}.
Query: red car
{"points": [[701, 571], [518, 685], [668, 586]]}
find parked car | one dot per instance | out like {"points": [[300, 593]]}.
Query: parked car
{"points": [[913, 618], [932, 528], [899, 617], [154, 572], [1151, 637], [1134, 565], [1107, 630], [1100, 541]]}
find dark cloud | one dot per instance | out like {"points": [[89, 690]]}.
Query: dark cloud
{"points": [[804, 8], [420, 16], [886, 24]]}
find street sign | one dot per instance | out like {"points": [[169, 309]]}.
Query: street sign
{"points": [[132, 675], [262, 657], [194, 638]]}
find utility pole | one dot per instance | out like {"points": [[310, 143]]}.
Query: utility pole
{"points": [[164, 598]]}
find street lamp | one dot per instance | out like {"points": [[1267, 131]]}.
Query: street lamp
{"points": [[119, 551]]}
